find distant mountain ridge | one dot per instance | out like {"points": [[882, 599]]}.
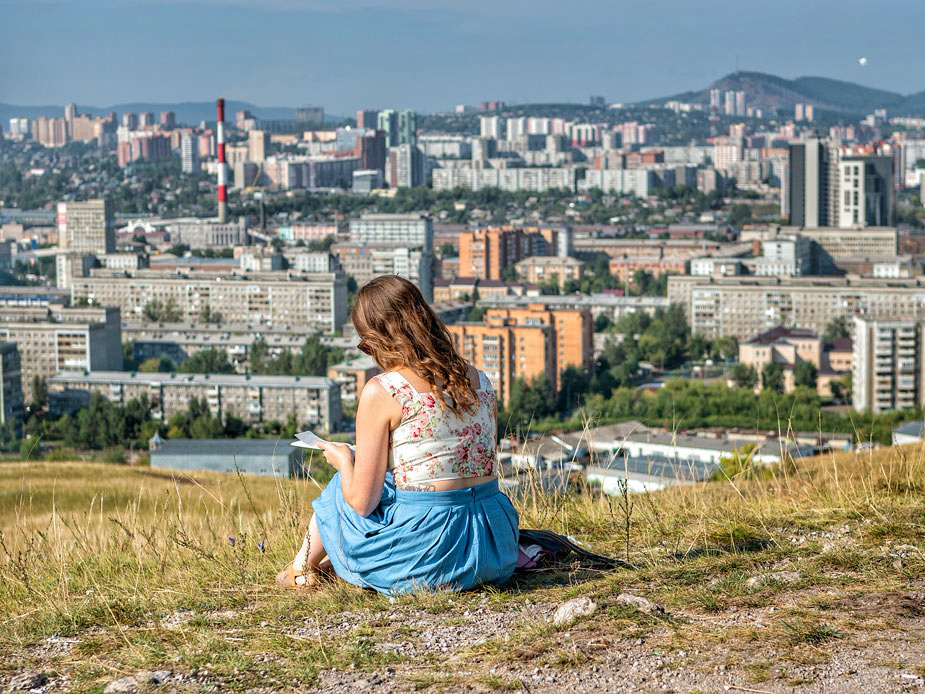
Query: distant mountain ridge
{"points": [[770, 92]]}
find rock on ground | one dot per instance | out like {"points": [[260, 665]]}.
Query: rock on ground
{"points": [[571, 610]]}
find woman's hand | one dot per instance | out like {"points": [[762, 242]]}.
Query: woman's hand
{"points": [[337, 455]]}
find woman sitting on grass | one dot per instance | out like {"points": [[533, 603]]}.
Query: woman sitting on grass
{"points": [[419, 505]]}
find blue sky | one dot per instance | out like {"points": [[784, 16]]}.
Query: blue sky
{"points": [[433, 54]]}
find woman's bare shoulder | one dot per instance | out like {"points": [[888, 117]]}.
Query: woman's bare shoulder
{"points": [[474, 378]]}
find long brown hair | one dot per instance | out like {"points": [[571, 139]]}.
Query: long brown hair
{"points": [[392, 317]]}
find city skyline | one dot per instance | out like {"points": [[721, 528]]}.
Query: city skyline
{"points": [[428, 56]]}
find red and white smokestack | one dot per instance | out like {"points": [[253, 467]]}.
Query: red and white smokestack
{"points": [[222, 167]]}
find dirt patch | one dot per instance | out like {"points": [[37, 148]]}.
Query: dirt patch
{"points": [[894, 604]]}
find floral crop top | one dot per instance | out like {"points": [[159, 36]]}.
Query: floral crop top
{"points": [[432, 443]]}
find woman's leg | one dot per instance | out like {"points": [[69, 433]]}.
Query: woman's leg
{"points": [[310, 557]]}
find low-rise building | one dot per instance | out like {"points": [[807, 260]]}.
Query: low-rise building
{"points": [[315, 401], [744, 306], [316, 300], [56, 338], [545, 269], [353, 376], [272, 457]]}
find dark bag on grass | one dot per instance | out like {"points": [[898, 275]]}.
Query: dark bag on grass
{"points": [[541, 547]]}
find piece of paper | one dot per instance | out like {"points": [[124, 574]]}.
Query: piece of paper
{"points": [[308, 439]]}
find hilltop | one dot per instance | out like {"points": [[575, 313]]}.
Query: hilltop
{"points": [[811, 578], [770, 92]]}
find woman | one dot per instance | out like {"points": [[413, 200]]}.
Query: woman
{"points": [[418, 506]]}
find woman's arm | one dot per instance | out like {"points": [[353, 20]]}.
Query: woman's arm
{"points": [[363, 477]]}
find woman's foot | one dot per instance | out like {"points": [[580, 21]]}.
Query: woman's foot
{"points": [[290, 577]]}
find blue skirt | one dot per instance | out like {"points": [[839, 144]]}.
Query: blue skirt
{"points": [[459, 539]]}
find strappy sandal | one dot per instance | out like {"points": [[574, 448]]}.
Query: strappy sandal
{"points": [[287, 578]]}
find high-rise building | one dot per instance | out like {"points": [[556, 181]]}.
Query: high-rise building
{"points": [[168, 120], [50, 132], [810, 187], [406, 167], [484, 253], [70, 113], [715, 100], [11, 399], [866, 194], [368, 119], [408, 229], [145, 119], [371, 150], [492, 126], [309, 115], [740, 103], [506, 351], [189, 153], [574, 332], [54, 338], [86, 227], [258, 145], [130, 120], [729, 103], [388, 122], [889, 368], [407, 127]]}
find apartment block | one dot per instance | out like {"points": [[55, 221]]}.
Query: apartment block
{"points": [[574, 331], [11, 397], [531, 179], [484, 253], [541, 270], [316, 300], [889, 368], [866, 196], [53, 338], [364, 261], [179, 341], [506, 352], [353, 376], [624, 268], [205, 233], [315, 401], [405, 229], [86, 227], [744, 306]]}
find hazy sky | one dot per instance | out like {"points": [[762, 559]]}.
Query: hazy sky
{"points": [[434, 54]]}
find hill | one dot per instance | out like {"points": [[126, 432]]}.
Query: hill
{"points": [[770, 93], [811, 578]]}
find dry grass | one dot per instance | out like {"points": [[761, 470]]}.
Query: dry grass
{"points": [[136, 566]]}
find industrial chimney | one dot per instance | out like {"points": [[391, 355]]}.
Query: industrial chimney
{"points": [[222, 167]]}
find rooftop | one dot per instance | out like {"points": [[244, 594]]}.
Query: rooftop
{"points": [[156, 379], [780, 333]]}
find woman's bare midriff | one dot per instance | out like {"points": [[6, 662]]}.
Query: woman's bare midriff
{"points": [[446, 485]]}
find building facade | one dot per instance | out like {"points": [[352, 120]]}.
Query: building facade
{"points": [[405, 229], [86, 227], [889, 368], [315, 401], [11, 395], [745, 306], [316, 300], [54, 338]]}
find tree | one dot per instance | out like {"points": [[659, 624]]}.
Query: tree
{"points": [[509, 273], [804, 374], [128, 356], [772, 377], [208, 361], [39, 393], [156, 365], [837, 328], [745, 376]]}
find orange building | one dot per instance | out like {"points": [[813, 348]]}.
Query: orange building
{"points": [[574, 332], [484, 253], [506, 352], [624, 268]]}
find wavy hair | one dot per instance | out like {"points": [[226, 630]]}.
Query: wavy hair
{"points": [[402, 330]]}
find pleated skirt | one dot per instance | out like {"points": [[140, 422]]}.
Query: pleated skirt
{"points": [[455, 540]]}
